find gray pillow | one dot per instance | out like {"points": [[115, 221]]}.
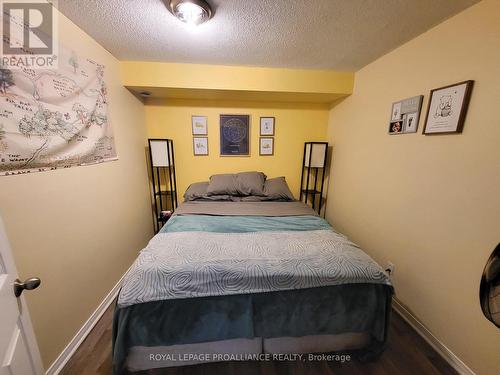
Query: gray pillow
{"points": [[245, 183], [223, 197], [251, 183], [222, 184], [277, 189], [254, 198], [258, 198], [195, 191]]}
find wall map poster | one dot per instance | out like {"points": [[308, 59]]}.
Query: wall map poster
{"points": [[54, 118], [234, 135]]}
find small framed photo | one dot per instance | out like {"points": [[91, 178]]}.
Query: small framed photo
{"points": [[410, 122], [396, 127], [267, 126], [396, 111], [447, 108], [200, 125], [200, 146], [266, 146]]}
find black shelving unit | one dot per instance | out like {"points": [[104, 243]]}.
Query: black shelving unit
{"points": [[163, 181], [312, 180]]}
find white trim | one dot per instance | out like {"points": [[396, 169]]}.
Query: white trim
{"points": [[432, 340], [76, 341]]}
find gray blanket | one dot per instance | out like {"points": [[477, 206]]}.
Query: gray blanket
{"points": [[245, 209], [200, 264]]}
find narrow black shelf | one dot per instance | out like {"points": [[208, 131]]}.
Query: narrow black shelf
{"points": [[313, 192], [164, 186], [165, 192], [313, 172]]}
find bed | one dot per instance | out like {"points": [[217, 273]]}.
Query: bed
{"points": [[226, 280]]}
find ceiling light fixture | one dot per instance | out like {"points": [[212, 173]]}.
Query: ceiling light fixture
{"points": [[192, 12]]}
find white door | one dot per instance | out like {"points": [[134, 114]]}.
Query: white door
{"points": [[18, 349]]}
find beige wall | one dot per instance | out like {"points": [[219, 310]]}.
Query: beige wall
{"points": [[294, 124], [429, 204], [79, 229]]}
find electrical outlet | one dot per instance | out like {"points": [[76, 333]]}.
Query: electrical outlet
{"points": [[390, 268]]}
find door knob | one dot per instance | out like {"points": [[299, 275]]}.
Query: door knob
{"points": [[28, 284]]}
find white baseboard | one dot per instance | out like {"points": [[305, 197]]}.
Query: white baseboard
{"points": [[432, 340], [76, 341]]}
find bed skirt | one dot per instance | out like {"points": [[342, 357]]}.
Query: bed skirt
{"points": [[142, 358], [346, 317]]}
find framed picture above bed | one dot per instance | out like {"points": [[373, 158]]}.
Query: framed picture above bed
{"points": [[199, 125], [235, 135], [200, 146], [267, 126], [266, 146]]}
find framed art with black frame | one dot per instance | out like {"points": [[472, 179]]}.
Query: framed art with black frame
{"points": [[235, 135]]}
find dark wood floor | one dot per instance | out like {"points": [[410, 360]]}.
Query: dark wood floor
{"points": [[407, 353]]}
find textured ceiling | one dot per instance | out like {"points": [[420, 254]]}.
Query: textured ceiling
{"points": [[314, 34]]}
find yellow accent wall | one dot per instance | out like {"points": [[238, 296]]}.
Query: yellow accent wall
{"points": [[294, 124], [235, 78], [429, 204]]}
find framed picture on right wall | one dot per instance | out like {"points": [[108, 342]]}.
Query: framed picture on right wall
{"points": [[447, 108]]}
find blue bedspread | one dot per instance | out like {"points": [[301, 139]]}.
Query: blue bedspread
{"points": [[243, 224], [356, 307]]}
